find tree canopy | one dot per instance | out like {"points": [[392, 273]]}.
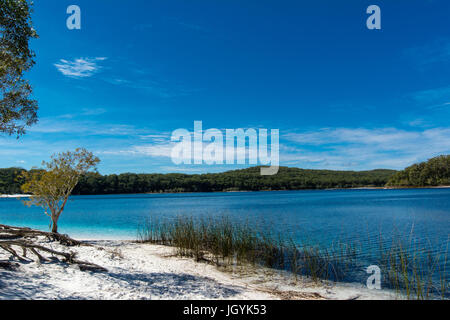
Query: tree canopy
{"points": [[237, 180], [434, 172], [52, 187], [17, 109]]}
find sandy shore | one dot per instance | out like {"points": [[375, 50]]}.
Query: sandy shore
{"points": [[14, 196], [243, 191], [143, 271]]}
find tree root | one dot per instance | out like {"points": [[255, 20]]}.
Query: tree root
{"points": [[69, 257], [14, 237], [12, 233]]}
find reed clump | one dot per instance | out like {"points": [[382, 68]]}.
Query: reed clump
{"points": [[225, 243], [413, 271], [417, 270]]}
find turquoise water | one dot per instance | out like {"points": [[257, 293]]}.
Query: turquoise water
{"points": [[322, 215]]}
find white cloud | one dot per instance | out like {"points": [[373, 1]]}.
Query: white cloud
{"points": [[433, 97], [83, 128], [362, 148], [386, 138], [93, 112], [79, 68], [331, 148], [163, 149]]}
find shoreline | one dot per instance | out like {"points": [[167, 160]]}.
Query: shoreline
{"points": [[148, 271], [15, 196], [241, 191]]}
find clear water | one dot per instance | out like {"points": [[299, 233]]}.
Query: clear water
{"points": [[322, 216]]}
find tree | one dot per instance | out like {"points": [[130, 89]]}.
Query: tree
{"points": [[434, 172], [17, 109], [51, 188]]}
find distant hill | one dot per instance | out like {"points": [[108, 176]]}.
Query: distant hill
{"points": [[434, 172], [237, 180]]}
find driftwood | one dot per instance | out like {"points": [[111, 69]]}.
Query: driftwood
{"points": [[12, 238], [11, 233]]}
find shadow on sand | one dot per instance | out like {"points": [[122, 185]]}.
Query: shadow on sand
{"points": [[17, 285]]}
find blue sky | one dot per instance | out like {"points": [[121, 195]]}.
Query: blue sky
{"points": [[342, 96]]}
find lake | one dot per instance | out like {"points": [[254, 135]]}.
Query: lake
{"points": [[320, 216]]}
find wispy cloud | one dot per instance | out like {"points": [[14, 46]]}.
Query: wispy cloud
{"points": [[363, 148], [427, 108], [434, 52], [384, 138], [79, 68], [161, 137], [162, 89], [162, 148], [83, 127], [432, 97], [342, 148], [328, 148], [93, 112], [187, 25]]}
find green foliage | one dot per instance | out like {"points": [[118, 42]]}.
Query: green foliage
{"points": [[434, 172], [10, 182], [238, 180], [17, 109], [52, 187]]}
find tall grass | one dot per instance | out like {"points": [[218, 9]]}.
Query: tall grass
{"points": [[413, 271]]}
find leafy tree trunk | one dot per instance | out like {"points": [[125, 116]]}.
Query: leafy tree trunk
{"points": [[54, 224]]}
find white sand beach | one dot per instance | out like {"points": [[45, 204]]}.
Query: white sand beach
{"points": [[14, 196], [145, 271]]}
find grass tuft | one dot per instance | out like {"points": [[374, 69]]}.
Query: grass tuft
{"points": [[414, 271]]}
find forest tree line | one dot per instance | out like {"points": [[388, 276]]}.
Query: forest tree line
{"points": [[434, 172], [237, 180]]}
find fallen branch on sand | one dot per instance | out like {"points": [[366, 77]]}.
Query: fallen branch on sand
{"points": [[11, 233], [12, 237]]}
